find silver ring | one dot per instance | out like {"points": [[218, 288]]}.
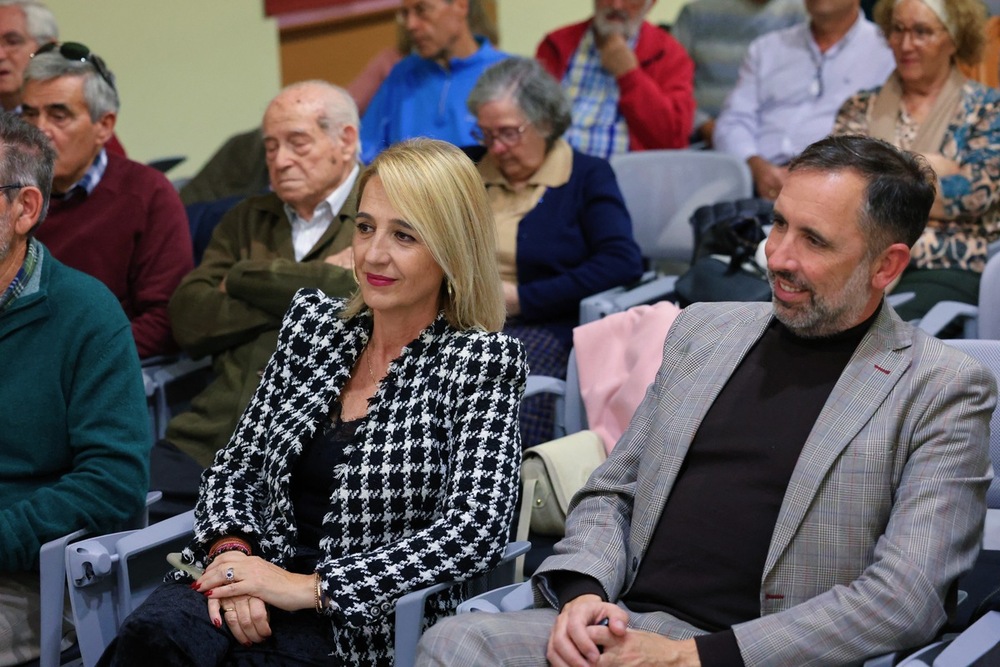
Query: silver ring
{"points": [[229, 574]]}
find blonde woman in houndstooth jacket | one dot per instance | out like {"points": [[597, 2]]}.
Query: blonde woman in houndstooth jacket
{"points": [[379, 454]]}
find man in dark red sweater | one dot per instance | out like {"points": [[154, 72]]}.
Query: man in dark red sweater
{"points": [[110, 217]]}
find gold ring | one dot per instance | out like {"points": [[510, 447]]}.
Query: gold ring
{"points": [[229, 609]]}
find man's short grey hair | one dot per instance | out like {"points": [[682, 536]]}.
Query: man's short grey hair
{"points": [[26, 158], [40, 20], [523, 81], [100, 97], [339, 108]]}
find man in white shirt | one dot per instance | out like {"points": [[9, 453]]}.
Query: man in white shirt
{"points": [[792, 84]]}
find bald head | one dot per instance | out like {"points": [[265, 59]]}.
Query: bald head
{"points": [[311, 141]]}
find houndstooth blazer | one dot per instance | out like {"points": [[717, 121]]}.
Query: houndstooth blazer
{"points": [[426, 497], [883, 511]]}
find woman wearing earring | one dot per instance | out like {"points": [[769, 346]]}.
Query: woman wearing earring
{"points": [[379, 454]]}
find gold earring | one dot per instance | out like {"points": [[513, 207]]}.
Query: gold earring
{"points": [[451, 291], [354, 274]]}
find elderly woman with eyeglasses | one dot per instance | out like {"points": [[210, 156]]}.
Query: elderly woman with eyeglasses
{"points": [[563, 230], [928, 107]]}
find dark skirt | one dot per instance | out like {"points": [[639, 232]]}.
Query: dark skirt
{"points": [[547, 355], [172, 628]]}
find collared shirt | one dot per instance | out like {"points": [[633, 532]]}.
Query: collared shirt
{"points": [[23, 276], [420, 98], [90, 179], [510, 205], [789, 91], [306, 233], [598, 126]]}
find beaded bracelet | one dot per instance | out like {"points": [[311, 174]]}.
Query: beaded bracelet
{"points": [[232, 544]]}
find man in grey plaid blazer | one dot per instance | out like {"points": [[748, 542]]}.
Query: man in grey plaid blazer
{"points": [[878, 499]]}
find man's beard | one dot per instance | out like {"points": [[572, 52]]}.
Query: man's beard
{"points": [[605, 27], [823, 315]]}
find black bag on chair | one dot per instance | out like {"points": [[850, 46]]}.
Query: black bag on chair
{"points": [[723, 267]]}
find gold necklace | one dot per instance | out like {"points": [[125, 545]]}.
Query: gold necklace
{"points": [[371, 373]]}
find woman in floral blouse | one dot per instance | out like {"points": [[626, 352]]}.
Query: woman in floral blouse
{"points": [[928, 107]]}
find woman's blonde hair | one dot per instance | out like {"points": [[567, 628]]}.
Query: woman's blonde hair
{"points": [[967, 16], [437, 190]]}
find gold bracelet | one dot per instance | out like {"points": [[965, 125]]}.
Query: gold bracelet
{"points": [[318, 599]]}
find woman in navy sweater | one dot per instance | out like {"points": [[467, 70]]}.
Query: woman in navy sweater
{"points": [[563, 230]]}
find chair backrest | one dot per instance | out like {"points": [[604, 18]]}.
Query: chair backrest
{"points": [[987, 352], [988, 320], [663, 188], [170, 384]]}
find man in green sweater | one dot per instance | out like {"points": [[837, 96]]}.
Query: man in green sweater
{"points": [[74, 435], [262, 252]]}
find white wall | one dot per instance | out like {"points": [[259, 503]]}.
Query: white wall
{"points": [[523, 23], [190, 72]]}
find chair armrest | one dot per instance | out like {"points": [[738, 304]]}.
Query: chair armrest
{"points": [[972, 644], [410, 610], [897, 299], [650, 288], [544, 384], [944, 313], [513, 597]]}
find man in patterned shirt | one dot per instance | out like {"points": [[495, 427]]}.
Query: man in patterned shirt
{"points": [[630, 83]]}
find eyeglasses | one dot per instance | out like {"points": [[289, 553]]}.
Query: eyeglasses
{"points": [[76, 51], [422, 11], [12, 186], [509, 136], [919, 34]]}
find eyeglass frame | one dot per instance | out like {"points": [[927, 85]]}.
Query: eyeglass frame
{"points": [[487, 137], [919, 34], [11, 186], [79, 53]]}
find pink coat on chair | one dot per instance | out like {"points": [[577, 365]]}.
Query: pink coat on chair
{"points": [[617, 358]]}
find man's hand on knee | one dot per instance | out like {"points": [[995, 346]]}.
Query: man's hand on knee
{"points": [[570, 644], [637, 647]]}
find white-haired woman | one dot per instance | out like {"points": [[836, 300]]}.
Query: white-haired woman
{"points": [[927, 106], [564, 231]]}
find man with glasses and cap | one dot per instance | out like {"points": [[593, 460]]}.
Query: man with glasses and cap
{"points": [[74, 436], [117, 220], [425, 93]]}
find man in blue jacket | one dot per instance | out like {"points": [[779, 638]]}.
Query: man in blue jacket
{"points": [[424, 94]]}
